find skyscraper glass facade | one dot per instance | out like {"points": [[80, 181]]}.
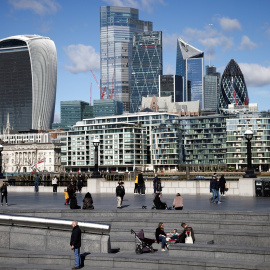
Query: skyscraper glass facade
{"points": [[233, 88], [189, 64], [146, 67], [117, 25], [28, 71]]}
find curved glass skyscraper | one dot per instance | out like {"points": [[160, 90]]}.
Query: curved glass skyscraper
{"points": [[232, 88], [28, 70]]}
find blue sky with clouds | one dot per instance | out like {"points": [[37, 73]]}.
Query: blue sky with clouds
{"points": [[224, 30]]}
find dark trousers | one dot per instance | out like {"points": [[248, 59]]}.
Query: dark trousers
{"points": [[2, 198], [179, 208], [54, 187]]}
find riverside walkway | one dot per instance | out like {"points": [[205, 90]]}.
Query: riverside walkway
{"points": [[55, 201]]}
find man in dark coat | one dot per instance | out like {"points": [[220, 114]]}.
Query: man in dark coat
{"points": [[75, 243], [120, 193]]}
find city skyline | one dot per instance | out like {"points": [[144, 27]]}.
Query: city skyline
{"points": [[220, 31]]}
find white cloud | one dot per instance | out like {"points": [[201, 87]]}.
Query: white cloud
{"points": [[40, 7], [170, 40], [146, 5], [228, 24], [83, 58], [247, 44], [255, 75], [169, 69]]}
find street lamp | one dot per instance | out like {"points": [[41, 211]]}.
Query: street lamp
{"points": [[1, 149], [249, 172], [96, 173]]}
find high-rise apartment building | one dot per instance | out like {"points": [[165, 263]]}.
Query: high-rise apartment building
{"points": [[232, 88], [74, 111], [171, 85], [28, 72], [189, 64], [117, 25], [211, 87], [146, 67]]}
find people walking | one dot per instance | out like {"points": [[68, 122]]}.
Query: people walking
{"points": [[222, 183], [136, 187], [120, 193], [54, 184], [155, 181], [213, 187], [4, 193], [75, 243], [37, 179], [80, 183], [178, 202], [141, 184]]}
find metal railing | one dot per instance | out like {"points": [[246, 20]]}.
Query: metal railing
{"points": [[50, 223]]}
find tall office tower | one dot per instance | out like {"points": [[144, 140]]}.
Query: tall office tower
{"points": [[171, 85], [211, 87], [232, 88], [28, 72], [74, 111], [189, 64], [107, 107], [146, 67], [117, 25]]}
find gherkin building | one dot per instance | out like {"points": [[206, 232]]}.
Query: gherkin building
{"points": [[232, 89]]}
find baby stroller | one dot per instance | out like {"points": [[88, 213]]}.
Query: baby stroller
{"points": [[142, 244]]}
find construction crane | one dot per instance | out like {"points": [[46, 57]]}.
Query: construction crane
{"points": [[112, 90], [102, 92], [91, 94]]}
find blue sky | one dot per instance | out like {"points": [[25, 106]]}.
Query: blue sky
{"points": [[224, 30]]}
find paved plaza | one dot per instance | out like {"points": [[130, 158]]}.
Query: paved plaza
{"points": [[55, 201]]}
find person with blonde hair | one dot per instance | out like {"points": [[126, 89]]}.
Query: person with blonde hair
{"points": [[178, 202]]}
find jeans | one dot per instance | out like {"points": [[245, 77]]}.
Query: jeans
{"points": [[217, 195], [214, 195], [77, 257], [163, 241], [36, 187]]}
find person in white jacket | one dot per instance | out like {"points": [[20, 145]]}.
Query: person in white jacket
{"points": [[54, 184]]}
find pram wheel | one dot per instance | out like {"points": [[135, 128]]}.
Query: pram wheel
{"points": [[138, 250]]}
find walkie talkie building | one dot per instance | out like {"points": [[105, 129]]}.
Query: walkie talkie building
{"points": [[28, 73], [232, 88]]}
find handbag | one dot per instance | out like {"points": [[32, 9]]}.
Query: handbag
{"points": [[226, 187], [188, 239]]}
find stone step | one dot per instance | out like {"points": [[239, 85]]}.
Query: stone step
{"points": [[241, 253], [124, 260]]}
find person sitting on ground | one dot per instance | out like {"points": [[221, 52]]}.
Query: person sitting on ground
{"points": [[74, 203], [88, 201], [187, 230], [161, 236], [178, 202], [174, 235], [158, 203]]}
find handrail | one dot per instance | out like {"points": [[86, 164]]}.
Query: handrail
{"points": [[54, 223]]}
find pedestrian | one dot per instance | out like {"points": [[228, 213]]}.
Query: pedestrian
{"points": [[120, 193], [213, 188], [141, 185], [88, 201], [222, 183], [217, 201], [80, 183], [75, 243], [66, 197], [54, 184], [178, 202], [37, 178], [159, 187], [4, 193], [155, 181], [136, 185]]}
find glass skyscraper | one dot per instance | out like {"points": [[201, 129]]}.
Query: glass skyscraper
{"points": [[28, 72], [232, 88], [211, 87], [146, 67], [117, 25], [189, 64]]}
